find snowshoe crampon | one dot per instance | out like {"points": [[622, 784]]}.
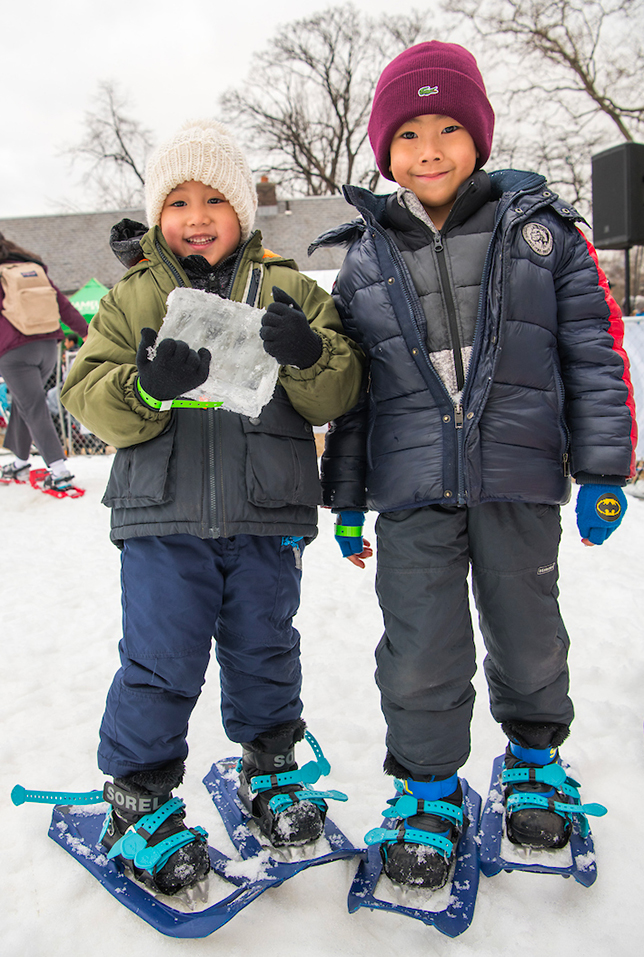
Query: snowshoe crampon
{"points": [[451, 908], [497, 852]]}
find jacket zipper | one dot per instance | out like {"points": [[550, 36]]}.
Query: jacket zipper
{"points": [[450, 306], [212, 472]]}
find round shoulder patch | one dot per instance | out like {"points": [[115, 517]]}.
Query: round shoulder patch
{"points": [[539, 238]]}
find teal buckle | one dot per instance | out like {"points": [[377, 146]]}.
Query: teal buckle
{"points": [[281, 801], [554, 776], [407, 805], [409, 835], [133, 846], [404, 806]]}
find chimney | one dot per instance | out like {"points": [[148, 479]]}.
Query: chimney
{"points": [[266, 195]]}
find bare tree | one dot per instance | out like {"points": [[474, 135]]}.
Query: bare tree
{"points": [[574, 82], [305, 106], [116, 147]]}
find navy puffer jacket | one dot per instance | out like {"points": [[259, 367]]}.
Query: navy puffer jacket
{"points": [[547, 392]]}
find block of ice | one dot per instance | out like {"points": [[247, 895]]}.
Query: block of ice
{"points": [[242, 375]]}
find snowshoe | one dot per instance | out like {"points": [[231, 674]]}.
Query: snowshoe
{"points": [[534, 819], [60, 483], [435, 878], [535, 791], [145, 830], [275, 792], [77, 824], [43, 481], [278, 861], [419, 848]]}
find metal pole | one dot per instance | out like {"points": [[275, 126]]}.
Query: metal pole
{"points": [[627, 281]]}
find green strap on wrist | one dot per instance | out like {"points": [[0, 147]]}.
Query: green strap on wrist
{"points": [[348, 531], [164, 405]]}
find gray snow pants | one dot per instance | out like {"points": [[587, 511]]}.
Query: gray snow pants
{"points": [[25, 370], [426, 657]]}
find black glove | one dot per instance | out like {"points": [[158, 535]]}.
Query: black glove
{"points": [[287, 334], [175, 369]]}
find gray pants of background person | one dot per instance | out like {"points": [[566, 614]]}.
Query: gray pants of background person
{"points": [[25, 371], [426, 657]]}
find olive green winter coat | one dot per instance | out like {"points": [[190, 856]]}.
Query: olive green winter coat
{"points": [[209, 472]]}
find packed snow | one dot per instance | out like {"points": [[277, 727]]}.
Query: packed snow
{"points": [[60, 626]]}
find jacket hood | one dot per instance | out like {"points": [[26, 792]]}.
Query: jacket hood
{"points": [[125, 241]]}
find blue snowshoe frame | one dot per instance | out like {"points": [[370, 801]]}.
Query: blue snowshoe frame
{"points": [[457, 916], [78, 833], [583, 866]]}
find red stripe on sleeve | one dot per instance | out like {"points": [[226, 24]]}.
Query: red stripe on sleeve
{"points": [[616, 331]]}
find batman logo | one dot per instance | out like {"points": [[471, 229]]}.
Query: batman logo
{"points": [[608, 508]]}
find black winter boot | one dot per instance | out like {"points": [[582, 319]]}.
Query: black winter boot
{"points": [[532, 753], [145, 829], [282, 816], [427, 822]]}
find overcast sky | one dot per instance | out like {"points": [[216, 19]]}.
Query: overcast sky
{"points": [[172, 58]]}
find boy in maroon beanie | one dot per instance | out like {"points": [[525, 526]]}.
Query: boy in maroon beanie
{"points": [[496, 372]]}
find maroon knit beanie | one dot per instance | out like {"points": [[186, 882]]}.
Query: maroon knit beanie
{"points": [[432, 77]]}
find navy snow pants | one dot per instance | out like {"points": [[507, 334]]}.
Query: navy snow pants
{"points": [[178, 592], [426, 657]]}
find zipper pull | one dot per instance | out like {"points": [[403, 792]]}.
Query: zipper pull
{"points": [[294, 543], [566, 465], [438, 243], [458, 416]]}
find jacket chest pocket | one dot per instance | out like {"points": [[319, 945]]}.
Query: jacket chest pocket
{"points": [[281, 461]]}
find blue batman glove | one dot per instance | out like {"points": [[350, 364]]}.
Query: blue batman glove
{"points": [[348, 533], [600, 509]]}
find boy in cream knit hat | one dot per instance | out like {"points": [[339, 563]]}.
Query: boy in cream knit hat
{"points": [[212, 510]]}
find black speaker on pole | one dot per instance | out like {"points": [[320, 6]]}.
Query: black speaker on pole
{"points": [[618, 197]]}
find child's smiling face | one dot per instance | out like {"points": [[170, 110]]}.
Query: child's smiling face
{"points": [[198, 220], [432, 156]]}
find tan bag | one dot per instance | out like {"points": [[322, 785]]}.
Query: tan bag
{"points": [[30, 302]]}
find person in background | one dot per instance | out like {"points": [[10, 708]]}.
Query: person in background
{"points": [[26, 363], [496, 371]]}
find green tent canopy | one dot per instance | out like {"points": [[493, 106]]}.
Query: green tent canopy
{"points": [[87, 299]]}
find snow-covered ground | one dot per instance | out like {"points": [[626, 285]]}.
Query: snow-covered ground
{"points": [[60, 615]]}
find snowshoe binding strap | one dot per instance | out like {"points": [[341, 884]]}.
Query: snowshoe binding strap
{"points": [[133, 845], [404, 806], [555, 776], [306, 775], [20, 795]]}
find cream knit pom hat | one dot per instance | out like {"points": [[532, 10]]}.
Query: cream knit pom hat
{"points": [[204, 151]]}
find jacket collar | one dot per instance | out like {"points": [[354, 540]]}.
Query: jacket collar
{"points": [[502, 184]]}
